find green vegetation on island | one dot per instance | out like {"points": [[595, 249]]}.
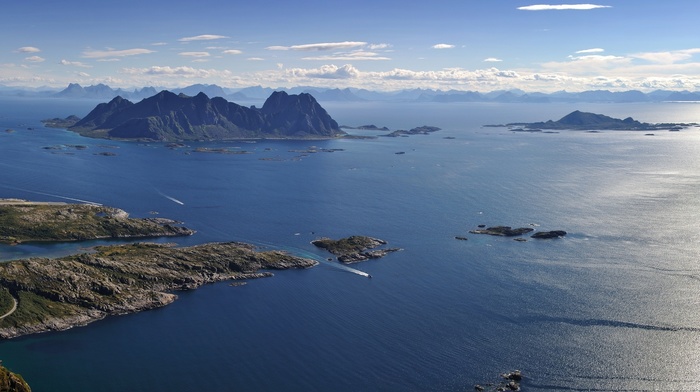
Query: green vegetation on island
{"points": [[22, 221]]}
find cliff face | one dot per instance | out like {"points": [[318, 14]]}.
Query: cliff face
{"points": [[170, 117]]}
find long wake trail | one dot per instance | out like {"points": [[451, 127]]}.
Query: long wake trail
{"points": [[54, 195]]}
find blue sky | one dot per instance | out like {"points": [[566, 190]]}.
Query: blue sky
{"points": [[480, 45]]}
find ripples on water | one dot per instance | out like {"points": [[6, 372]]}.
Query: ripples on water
{"points": [[613, 306]]}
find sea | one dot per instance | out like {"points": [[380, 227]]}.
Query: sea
{"points": [[612, 306]]}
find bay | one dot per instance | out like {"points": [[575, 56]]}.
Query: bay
{"points": [[612, 306]]}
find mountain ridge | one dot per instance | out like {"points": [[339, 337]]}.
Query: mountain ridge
{"points": [[171, 117]]}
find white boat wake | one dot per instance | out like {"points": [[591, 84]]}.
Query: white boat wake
{"points": [[174, 200]]}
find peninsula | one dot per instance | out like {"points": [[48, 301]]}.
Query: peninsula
{"points": [[584, 121], [39, 294], [171, 117], [23, 221]]}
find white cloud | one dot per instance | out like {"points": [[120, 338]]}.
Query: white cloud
{"points": [[159, 44], [559, 7], [75, 64], [83, 74], [96, 54], [232, 51], [195, 54], [667, 57], [326, 72], [203, 37], [320, 46], [592, 50], [443, 46], [378, 46], [28, 49], [184, 72], [255, 59], [492, 60], [358, 55], [34, 59]]}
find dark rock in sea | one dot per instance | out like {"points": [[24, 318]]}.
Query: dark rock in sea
{"points": [[503, 231], [549, 234], [461, 238], [509, 382], [174, 118], [423, 130], [372, 127]]}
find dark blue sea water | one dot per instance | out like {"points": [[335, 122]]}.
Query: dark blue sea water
{"points": [[615, 305]]}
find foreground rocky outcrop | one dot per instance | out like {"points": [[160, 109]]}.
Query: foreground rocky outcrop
{"points": [[355, 248], [22, 221], [11, 382], [170, 117], [57, 294]]}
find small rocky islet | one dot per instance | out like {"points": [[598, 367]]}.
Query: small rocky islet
{"points": [[354, 249], [508, 231]]}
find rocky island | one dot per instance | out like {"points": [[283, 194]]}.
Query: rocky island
{"points": [[355, 248], [22, 221], [584, 121], [507, 231], [171, 117]]}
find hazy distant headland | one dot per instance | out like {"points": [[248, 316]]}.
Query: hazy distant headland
{"points": [[172, 117], [584, 121]]}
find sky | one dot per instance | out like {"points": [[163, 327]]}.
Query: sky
{"points": [[384, 45]]}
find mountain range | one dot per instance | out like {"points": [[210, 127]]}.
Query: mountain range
{"points": [[167, 116], [258, 93]]}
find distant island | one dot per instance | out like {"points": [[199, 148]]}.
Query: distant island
{"points": [[170, 117], [585, 121]]}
